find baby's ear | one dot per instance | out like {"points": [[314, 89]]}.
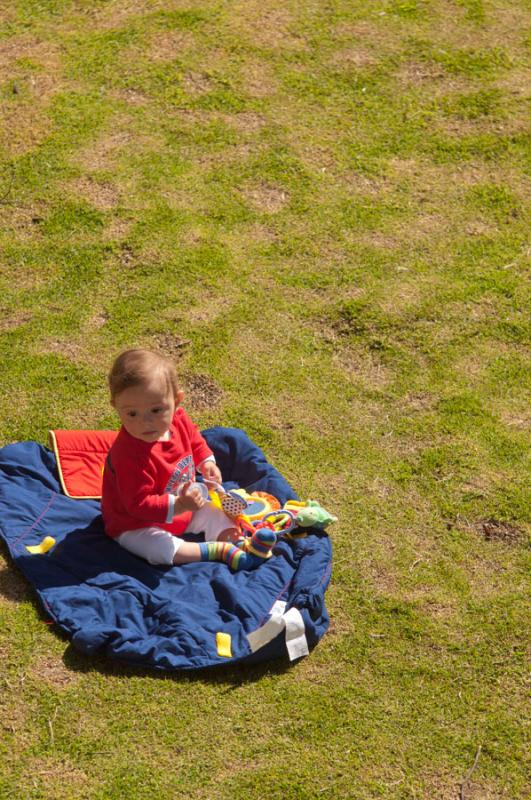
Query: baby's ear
{"points": [[179, 397]]}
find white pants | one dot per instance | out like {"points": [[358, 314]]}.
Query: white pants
{"points": [[157, 546]]}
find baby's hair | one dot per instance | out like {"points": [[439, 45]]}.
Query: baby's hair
{"points": [[137, 368]]}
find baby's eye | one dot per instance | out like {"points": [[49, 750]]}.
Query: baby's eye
{"points": [[156, 410], [131, 413]]}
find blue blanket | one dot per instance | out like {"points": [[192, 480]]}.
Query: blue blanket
{"points": [[108, 601]]}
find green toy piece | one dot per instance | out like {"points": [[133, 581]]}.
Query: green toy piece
{"points": [[313, 515]]}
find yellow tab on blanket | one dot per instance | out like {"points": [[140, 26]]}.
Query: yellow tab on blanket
{"points": [[223, 644], [46, 544]]}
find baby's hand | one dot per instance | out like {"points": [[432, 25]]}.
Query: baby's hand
{"points": [[191, 498], [210, 472]]}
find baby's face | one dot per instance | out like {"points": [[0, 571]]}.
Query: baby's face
{"points": [[146, 411]]}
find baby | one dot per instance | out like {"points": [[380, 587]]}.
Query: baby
{"points": [[149, 494]]}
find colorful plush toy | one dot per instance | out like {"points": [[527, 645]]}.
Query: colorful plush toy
{"points": [[294, 517], [310, 514], [235, 502], [262, 512]]}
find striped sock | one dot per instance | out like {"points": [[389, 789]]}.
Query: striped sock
{"points": [[262, 542], [233, 556], [223, 551]]}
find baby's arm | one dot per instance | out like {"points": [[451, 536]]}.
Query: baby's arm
{"points": [[190, 498], [210, 470], [140, 497], [204, 458]]}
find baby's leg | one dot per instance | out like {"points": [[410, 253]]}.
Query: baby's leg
{"points": [[187, 553], [154, 545], [160, 548]]}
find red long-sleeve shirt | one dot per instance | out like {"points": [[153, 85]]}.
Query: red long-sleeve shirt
{"points": [[141, 479]]}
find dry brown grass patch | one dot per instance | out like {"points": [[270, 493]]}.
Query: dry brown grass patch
{"points": [[197, 83], [168, 45], [25, 123], [117, 13], [44, 53], [258, 79], [504, 28], [24, 221], [209, 309], [25, 127], [65, 348], [268, 25], [103, 196], [105, 151], [52, 671], [98, 320], [232, 153], [58, 777], [267, 198], [13, 321], [378, 239], [243, 241], [245, 121], [474, 365], [14, 715], [420, 401], [411, 73], [515, 81], [133, 97], [118, 228], [455, 129], [354, 56], [201, 390], [498, 531], [383, 580], [431, 79], [373, 36], [317, 157], [173, 346], [406, 294], [444, 785], [517, 415], [363, 367], [472, 789]]}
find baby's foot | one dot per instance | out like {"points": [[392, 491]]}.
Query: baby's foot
{"points": [[258, 549]]}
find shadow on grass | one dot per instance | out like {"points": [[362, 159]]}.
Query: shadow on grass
{"points": [[228, 677]]}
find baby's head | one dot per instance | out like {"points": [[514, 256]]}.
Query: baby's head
{"points": [[141, 368], [145, 392]]}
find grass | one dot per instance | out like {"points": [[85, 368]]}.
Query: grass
{"points": [[320, 211]]}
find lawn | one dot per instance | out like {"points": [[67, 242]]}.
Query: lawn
{"points": [[319, 209]]}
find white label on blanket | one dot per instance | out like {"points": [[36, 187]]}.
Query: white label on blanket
{"points": [[265, 633], [295, 635], [291, 621]]}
